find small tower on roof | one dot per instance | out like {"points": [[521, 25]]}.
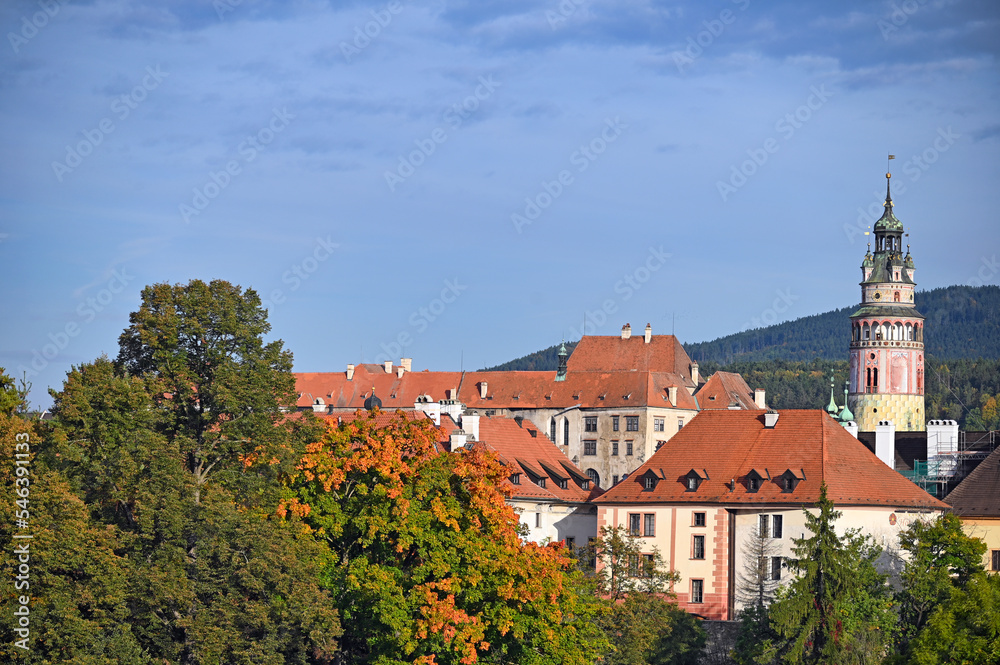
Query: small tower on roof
{"points": [[563, 355], [886, 375], [372, 402]]}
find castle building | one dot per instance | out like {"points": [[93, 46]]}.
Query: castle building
{"points": [[887, 335]]}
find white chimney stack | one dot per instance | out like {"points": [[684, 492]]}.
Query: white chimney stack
{"points": [[388, 367], [458, 439], [399, 372], [626, 331], [885, 442], [406, 364], [694, 373], [649, 333], [350, 372], [758, 398], [672, 393], [852, 427], [470, 423], [482, 390]]}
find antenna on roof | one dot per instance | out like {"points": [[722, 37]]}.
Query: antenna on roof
{"points": [[673, 320], [461, 363]]}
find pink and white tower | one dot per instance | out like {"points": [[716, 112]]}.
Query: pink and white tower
{"points": [[887, 335]]}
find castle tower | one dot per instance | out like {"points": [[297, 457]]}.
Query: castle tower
{"points": [[887, 335]]}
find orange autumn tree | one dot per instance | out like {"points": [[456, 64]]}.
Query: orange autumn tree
{"points": [[426, 564]]}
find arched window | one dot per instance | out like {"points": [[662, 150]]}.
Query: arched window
{"points": [[909, 332], [552, 429], [895, 296], [867, 331], [594, 477], [565, 431]]}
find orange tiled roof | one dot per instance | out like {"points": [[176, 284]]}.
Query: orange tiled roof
{"points": [[729, 444], [723, 389], [601, 353], [534, 454]]}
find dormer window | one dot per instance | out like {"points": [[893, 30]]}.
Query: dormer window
{"points": [[649, 482], [693, 479], [515, 479], [563, 483], [754, 480], [541, 483], [790, 479]]}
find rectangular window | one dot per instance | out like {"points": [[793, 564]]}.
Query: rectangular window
{"points": [[699, 519], [515, 479], [541, 482], [628, 447], [614, 480], [680, 424], [775, 567], [570, 543], [614, 448], [634, 524], [697, 591], [776, 521], [763, 526], [648, 565], [614, 423], [996, 560], [563, 484], [590, 424], [698, 547], [649, 525], [632, 423], [590, 447], [538, 519], [657, 424], [633, 565]]}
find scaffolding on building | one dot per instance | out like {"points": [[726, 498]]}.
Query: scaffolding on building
{"points": [[941, 473]]}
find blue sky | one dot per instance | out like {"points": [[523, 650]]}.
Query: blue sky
{"points": [[464, 182]]}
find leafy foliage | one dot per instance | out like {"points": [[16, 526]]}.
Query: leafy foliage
{"points": [[965, 629], [425, 559], [755, 585]]}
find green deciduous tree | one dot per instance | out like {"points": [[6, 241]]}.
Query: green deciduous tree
{"points": [[964, 629], [425, 560], [941, 561], [159, 447]]}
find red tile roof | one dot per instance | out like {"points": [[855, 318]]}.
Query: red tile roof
{"points": [[729, 444], [603, 353], [723, 389], [978, 495], [534, 454]]}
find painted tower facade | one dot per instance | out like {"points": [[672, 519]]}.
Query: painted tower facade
{"points": [[887, 334]]}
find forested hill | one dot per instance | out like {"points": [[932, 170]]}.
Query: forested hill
{"points": [[962, 322]]}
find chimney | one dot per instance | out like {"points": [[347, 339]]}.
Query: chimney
{"points": [[470, 424], [482, 390], [458, 439], [399, 372], [388, 367], [626, 331], [649, 333], [885, 443], [672, 393], [758, 398], [770, 419], [852, 427], [694, 372], [350, 372], [406, 364]]}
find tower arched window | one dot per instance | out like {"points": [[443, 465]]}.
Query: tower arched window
{"points": [[895, 296], [867, 331], [909, 332]]}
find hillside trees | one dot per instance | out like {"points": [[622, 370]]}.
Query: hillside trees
{"points": [[156, 444], [425, 562]]}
